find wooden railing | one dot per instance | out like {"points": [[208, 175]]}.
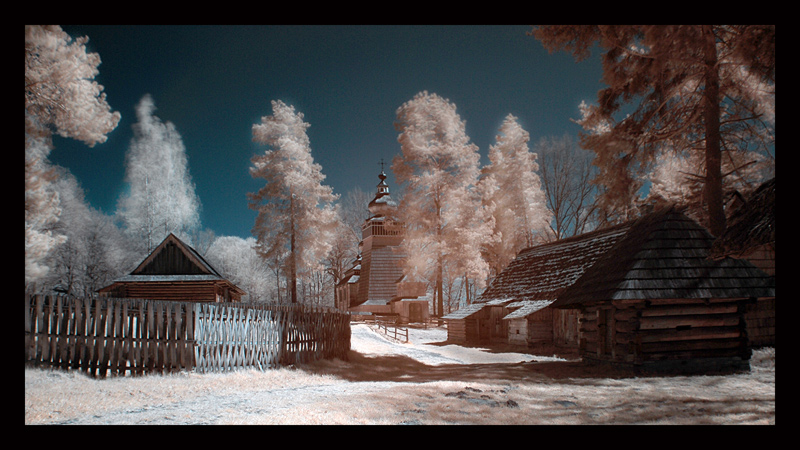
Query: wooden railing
{"points": [[126, 336], [392, 331]]}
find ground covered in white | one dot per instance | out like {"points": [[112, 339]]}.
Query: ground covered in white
{"points": [[424, 381]]}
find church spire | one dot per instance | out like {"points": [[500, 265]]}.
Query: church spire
{"points": [[382, 203]]}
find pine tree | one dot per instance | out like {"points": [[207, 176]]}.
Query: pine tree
{"points": [[513, 192], [698, 88], [440, 208], [296, 214]]}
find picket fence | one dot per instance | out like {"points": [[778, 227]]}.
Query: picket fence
{"points": [[109, 336]]}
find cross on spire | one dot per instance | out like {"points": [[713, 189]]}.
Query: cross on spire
{"points": [[381, 163]]}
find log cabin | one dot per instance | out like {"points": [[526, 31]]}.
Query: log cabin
{"points": [[515, 305], [174, 271], [642, 293], [655, 300]]}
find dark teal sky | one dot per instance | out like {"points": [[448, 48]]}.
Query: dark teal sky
{"points": [[215, 82]]}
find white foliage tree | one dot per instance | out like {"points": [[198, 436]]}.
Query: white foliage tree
{"points": [[677, 177], [161, 197], [95, 252], [513, 192], [61, 97], [439, 167], [296, 214], [238, 261], [42, 210]]}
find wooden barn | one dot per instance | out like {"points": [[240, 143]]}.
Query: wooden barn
{"points": [[751, 235], [655, 300], [174, 271], [515, 305]]}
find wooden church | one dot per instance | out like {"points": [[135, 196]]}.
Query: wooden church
{"points": [[174, 271], [375, 285]]}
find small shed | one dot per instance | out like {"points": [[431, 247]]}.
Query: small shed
{"points": [[657, 301], [174, 271], [467, 324], [530, 322], [410, 303]]}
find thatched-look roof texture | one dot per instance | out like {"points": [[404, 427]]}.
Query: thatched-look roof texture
{"points": [[543, 272], [662, 255], [665, 255]]}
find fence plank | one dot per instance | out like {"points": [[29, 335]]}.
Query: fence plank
{"points": [[128, 336]]}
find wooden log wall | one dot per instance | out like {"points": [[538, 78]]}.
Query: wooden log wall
{"points": [[665, 330], [176, 291], [518, 331], [760, 318], [463, 330], [566, 331], [135, 337]]}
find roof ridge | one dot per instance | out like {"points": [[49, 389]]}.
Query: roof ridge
{"points": [[579, 237]]}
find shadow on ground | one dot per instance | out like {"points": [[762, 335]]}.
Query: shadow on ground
{"points": [[359, 367]]}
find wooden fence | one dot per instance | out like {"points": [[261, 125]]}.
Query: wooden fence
{"points": [[393, 331], [126, 336], [231, 335]]}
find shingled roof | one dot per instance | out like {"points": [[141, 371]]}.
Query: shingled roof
{"points": [[665, 255], [173, 261], [174, 257], [543, 272]]}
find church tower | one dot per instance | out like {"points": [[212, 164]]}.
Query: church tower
{"points": [[380, 250], [375, 285]]}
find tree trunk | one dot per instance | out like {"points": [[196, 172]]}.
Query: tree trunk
{"points": [[466, 285], [711, 111], [439, 261], [439, 290], [292, 259]]}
